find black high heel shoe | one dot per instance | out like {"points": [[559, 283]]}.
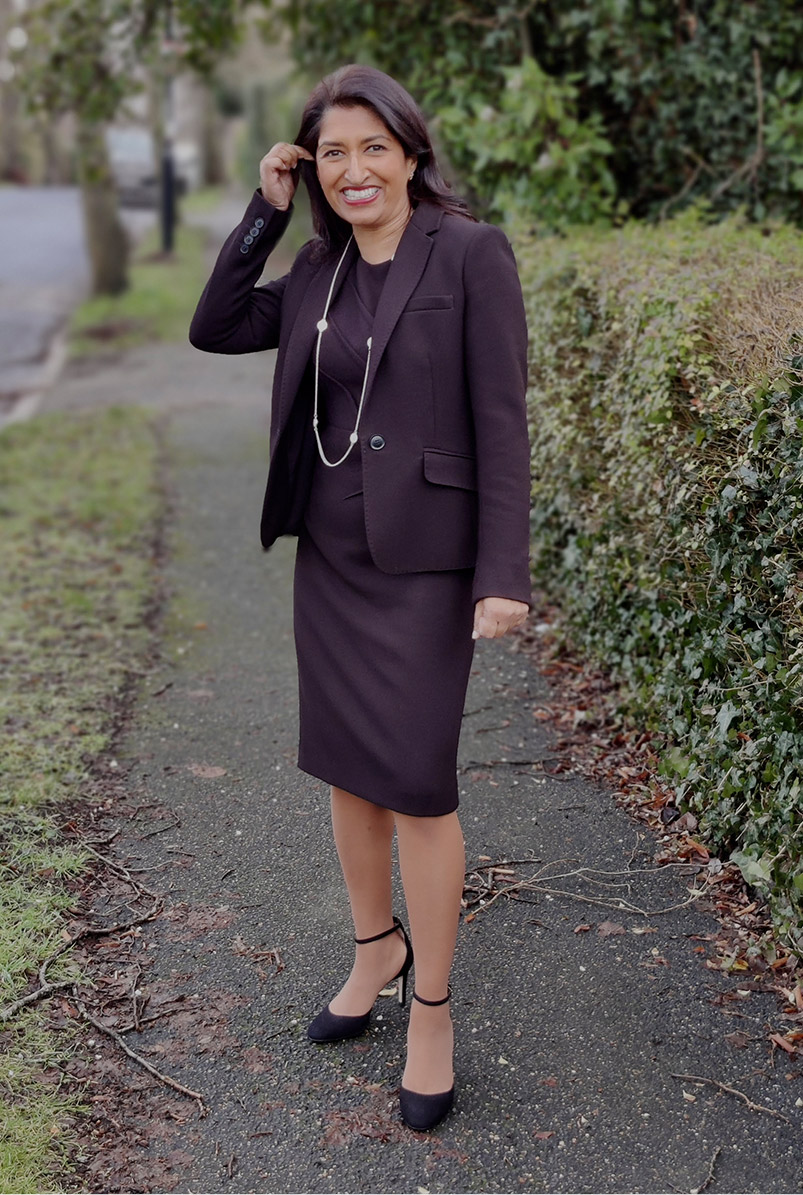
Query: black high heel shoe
{"points": [[329, 1026], [423, 1112]]}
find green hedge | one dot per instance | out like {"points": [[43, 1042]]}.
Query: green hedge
{"points": [[666, 405]]}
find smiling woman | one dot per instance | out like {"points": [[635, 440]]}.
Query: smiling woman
{"points": [[400, 459], [364, 173]]}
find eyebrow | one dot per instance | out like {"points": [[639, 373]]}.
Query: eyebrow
{"points": [[365, 140]]}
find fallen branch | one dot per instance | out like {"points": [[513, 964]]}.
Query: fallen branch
{"points": [[733, 1091], [179, 1087], [45, 990], [46, 987]]}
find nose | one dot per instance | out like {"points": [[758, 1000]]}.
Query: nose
{"points": [[355, 170]]}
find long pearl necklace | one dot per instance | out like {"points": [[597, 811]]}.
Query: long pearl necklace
{"points": [[322, 325]]}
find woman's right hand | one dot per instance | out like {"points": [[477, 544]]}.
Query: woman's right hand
{"points": [[278, 173]]}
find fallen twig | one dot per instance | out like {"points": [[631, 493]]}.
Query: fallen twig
{"points": [[162, 829], [733, 1091], [134, 997], [487, 893], [708, 1178], [123, 871], [142, 1021], [278, 1033], [115, 1036]]}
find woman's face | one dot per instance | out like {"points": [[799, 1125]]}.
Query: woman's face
{"points": [[362, 168]]}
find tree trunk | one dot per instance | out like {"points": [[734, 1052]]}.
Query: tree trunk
{"points": [[213, 165], [13, 164], [106, 237]]}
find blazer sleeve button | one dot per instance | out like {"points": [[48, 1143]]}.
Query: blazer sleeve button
{"points": [[377, 442], [243, 248]]}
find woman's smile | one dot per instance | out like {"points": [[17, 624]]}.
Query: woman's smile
{"points": [[364, 171], [360, 195]]}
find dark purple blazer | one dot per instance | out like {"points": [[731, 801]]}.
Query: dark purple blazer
{"points": [[443, 436]]}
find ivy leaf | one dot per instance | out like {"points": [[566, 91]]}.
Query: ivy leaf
{"points": [[726, 715]]}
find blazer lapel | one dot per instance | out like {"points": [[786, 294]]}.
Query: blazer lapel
{"points": [[403, 277]]}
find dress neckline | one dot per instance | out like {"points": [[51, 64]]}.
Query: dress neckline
{"points": [[375, 265]]}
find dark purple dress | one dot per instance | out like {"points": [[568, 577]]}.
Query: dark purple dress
{"points": [[383, 659]]}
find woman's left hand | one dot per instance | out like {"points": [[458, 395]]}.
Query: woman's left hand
{"points": [[495, 616]]}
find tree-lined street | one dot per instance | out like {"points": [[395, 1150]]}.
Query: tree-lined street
{"points": [[628, 990]]}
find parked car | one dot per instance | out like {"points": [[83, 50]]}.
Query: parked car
{"points": [[133, 160], [136, 169]]}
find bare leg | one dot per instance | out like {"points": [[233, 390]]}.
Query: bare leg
{"points": [[363, 837], [432, 858]]}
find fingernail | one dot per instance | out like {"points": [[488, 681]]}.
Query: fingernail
{"points": [[475, 634]]}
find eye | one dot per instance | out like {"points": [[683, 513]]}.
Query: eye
{"points": [[370, 147], [328, 153]]}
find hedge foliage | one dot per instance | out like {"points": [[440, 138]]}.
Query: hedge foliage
{"points": [[571, 111], [666, 403]]}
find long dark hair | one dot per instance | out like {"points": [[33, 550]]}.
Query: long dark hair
{"points": [[363, 86]]}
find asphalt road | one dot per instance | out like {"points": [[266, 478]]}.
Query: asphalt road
{"points": [[44, 274]]}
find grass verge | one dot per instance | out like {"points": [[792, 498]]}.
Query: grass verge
{"points": [[80, 507]]}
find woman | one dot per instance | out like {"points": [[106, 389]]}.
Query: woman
{"points": [[399, 457]]}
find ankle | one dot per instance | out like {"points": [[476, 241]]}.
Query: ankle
{"points": [[429, 1001], [429, 1022]]}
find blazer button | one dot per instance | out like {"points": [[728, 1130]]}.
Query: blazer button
{"points": [[260, 223], [377, 442], [249, 240], [254, 232], [243, 248]]}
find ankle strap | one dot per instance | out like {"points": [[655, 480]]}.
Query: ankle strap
{"points": [[433, 1003], [386, 933]]}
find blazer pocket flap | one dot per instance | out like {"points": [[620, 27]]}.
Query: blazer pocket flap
{"points": [[450, 468], [430, 303]]}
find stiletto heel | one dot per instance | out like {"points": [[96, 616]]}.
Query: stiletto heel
{"points": [[423, 1112], [402, 978], [330, 1026]]}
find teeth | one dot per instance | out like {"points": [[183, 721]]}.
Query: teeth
{"points": [[365, 193]]}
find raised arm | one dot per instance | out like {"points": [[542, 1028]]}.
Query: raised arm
{"points": [[234, 315]]}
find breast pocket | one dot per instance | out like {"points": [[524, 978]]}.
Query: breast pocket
{"points": [[430, 303]]}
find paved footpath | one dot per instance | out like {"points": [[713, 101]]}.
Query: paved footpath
{"points": [[566, 1042]]}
